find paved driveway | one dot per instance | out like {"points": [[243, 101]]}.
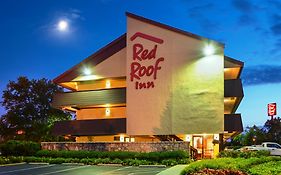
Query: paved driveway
{"points": [[27, 169]]}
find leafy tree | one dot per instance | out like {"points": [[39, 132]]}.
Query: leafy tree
{"points": [[29, 113], [253, 136], [273, 130]]}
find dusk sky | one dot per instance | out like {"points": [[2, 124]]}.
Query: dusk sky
{"points": [[31, 44]]}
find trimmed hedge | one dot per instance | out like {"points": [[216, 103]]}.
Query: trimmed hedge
{"points": [[248, 154], [19, 148], [152, 156], [235, 164]]}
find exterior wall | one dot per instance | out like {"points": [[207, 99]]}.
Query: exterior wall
{"points": [[117, 146], [100, 113], [185, 82], [111, 138]]}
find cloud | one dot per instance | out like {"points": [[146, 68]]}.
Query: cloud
{"points": [[205, 23], [261, 74], [247, 10], [276, 25]]}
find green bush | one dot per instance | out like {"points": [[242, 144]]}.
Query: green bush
{"points": [[19, 148], [152, 156], [241, 164], [248, 154], [269, 168]]}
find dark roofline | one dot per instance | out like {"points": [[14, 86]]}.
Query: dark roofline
{"points": [[94, 59], [164, 26], [234, 61]]}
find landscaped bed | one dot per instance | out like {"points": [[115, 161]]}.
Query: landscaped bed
{"points": [[235, 166]]}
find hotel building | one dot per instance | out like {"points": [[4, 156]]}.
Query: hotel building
{"points": [[154, 83]]}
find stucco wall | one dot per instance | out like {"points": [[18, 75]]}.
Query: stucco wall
{"points": [[117, 146]]}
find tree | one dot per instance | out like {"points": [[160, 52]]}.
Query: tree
{"points": [[30, 115], [273, 130], [253, 136]]}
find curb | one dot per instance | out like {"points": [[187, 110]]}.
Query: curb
{"points": [[11, 164], [78, 164], [152, 166], [38, 163], [102, 164]]}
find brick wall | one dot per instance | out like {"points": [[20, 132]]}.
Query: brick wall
{"points": [[117, 146]]}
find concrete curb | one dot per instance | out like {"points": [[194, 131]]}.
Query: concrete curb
{"points": [[11, 164], [112, 164], [78, 164], [152, 166], [38, 163]]}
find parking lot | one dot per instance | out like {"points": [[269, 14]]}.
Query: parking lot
{"points": [[28, 169]]}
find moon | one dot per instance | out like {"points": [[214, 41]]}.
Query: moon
{"points": [[62, 25]]}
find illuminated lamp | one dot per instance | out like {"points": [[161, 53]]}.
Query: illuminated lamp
{"points": [[216, 137], [209, 50], [107, 112], [87, 71], [188, 138], [107, 84], [122, 138]]}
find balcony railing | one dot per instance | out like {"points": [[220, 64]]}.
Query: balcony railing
{"points": [[90, 98], [233, 123], [90, 127]]}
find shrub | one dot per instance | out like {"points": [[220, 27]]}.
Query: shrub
{"points": [[19, 148], [269, 168], [248, 154]]}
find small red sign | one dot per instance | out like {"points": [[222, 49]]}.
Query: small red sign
{"points": [[271, 109]]}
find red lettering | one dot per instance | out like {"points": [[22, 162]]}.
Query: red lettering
{"points": [[157, 67], [137, 49], [143, 54], [134, 68]]}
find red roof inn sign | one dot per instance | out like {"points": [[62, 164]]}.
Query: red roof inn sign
{"points": [[271, 109], [141, 54]]}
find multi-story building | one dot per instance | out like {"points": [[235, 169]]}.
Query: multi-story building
{"points": [[154, 83]]}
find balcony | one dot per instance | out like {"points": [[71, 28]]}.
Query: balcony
{"points": [[233, 88], [82, 99], [233, 123], [90, 127]]}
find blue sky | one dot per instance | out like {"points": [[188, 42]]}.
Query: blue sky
{"points": [[32, 46]]}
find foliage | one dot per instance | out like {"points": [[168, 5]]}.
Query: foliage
{"points": [[152, 156], [29, 113], [271, 132], [236, 154], [235, 164], [269, 168], [19, 148]]}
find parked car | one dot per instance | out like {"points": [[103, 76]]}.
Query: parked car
{"points": [[274, 148]]}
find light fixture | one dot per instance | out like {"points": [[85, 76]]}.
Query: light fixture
{"points": [[122, 138], [188, 138], [87, 71], [209, 50], [107, 112], [216, 137], [107, 84]]}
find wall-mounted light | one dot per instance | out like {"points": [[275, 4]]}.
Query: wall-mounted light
{"points": [[122, 138], [87, 71], [107, 84], [209, 50], [107, 112], [216, 137], [188, 138]]}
